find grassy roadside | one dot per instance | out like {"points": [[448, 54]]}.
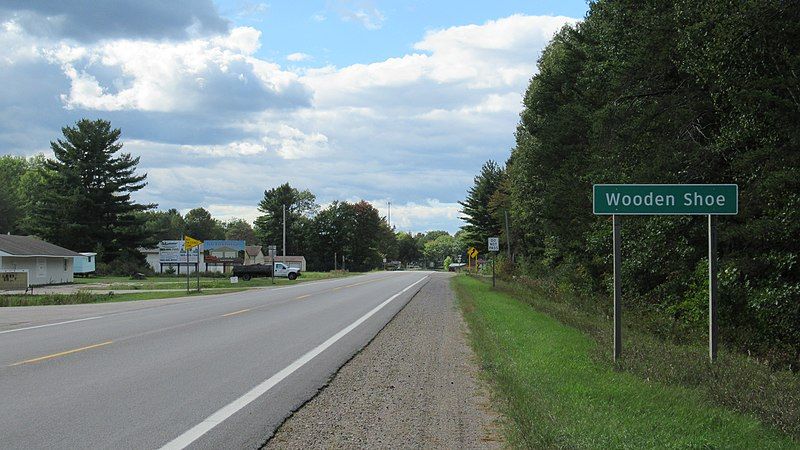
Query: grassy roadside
{"points": [[219, 286], [175, 282], [558, 394], [87, 297]]}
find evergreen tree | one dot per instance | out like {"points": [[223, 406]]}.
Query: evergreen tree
{"points": [[300, 207], [85, 203], [12, 169], [477, 208]]}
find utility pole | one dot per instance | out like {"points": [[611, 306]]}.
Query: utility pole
{"points": [[284, 233], [390, 215]]}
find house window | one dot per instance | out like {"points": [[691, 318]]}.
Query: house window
{"points": [[65, 264]]}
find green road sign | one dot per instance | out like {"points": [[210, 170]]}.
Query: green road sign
{"points": [[665, 199]]}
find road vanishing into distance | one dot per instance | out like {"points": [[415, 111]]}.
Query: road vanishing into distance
{"points": [[218, 371]]}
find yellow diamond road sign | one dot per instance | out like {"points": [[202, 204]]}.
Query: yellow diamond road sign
{"points": [[190, 243], [472, 252]]}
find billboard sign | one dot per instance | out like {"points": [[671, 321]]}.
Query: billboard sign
{"points": [[223, 252], [172, 252]]}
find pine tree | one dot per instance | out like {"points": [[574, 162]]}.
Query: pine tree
{"points": [[477, 208], [85, 203], [300, 206]]}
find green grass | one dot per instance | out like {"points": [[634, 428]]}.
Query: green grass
{"points": [[87, 297], [557, 394], [175, 282], [210, 285]]}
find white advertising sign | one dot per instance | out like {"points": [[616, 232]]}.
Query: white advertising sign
{"points": [[173, 252]]}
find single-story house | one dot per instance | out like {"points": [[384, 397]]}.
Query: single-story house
{"points": [[43, 262], [85, 264], [253, 254]]}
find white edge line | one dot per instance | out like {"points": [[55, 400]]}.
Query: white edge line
{"points": [[50, 324], [194, 433]]}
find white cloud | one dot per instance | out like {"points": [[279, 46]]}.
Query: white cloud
{"points": [[297, 57], [420, 217], [228, 212], [218, 72], [363, 12]]}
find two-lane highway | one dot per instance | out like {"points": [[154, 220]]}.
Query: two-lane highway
{"points": [[210, 372]]}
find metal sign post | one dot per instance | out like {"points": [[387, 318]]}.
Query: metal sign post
{"points": [[666, 199], [494, 247], [712, 287], [273, 249], [617, 286], [198, 270]]}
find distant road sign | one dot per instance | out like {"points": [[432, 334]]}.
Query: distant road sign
{"points": [[190, 243], [665, 199], [472, 252], [494, 244]]}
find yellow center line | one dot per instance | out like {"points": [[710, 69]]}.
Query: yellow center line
{"points": [[235, 312], [303, 296], [56, 355]]}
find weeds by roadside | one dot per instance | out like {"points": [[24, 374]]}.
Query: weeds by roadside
{"points": [[734, 381]]}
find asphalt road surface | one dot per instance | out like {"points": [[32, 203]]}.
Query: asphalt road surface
{"points": [[209, 372]]}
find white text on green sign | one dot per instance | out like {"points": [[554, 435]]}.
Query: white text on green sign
{"points": [[665, 199]]}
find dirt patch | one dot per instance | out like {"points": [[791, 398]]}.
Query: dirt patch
{"points": [[416, 385]]}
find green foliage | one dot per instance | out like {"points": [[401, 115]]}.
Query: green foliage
{"points": [[83, 201], [479, 209], [240, 230], [442, 247], [550, 361], [163, 225], [200, 225], [12, 169], [665, 92], [300, 207], [353, 230], [408, 249], [447, 262]]}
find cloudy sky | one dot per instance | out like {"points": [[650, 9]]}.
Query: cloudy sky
{"points": [[387, 101]]}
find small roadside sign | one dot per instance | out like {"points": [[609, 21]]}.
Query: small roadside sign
{"points": [[190, 242], [494, 244], [273, 250], [472, 252]]}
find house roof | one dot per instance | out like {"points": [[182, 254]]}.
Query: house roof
{"points": [[253, 250], [31, 246]]}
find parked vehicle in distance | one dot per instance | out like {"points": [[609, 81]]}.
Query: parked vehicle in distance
{"points": [[250, 271]]}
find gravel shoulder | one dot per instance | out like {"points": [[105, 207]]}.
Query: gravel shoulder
{"points": [[416, 385]]}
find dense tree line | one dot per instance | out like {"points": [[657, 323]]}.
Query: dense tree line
{"points": [[665, 92]]}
